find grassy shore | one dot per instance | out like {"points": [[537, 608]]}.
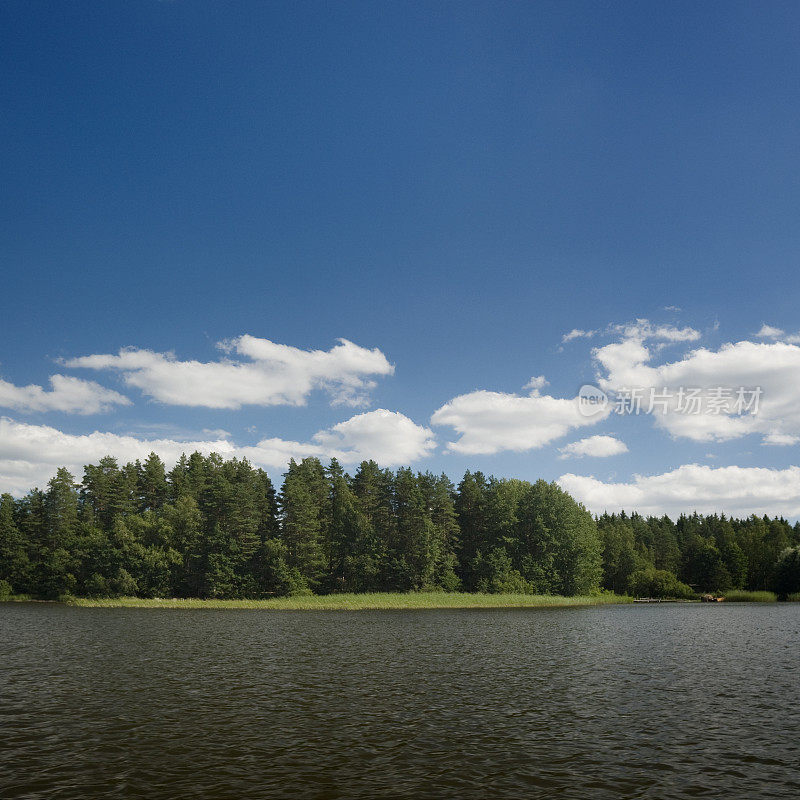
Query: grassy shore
{"points": [[742, 596], [359, 602]]}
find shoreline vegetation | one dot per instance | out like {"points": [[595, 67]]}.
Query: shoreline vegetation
{"points": [[372, 601], [389, 601], [211, 530]]}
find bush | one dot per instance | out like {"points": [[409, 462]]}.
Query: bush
{"points": [[97, 586], [296, 585], [498, 576], [5, 590], [124, 585], [658, 583]]}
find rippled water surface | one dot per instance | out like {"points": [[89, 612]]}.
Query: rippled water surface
{"points": [[666, 701]]}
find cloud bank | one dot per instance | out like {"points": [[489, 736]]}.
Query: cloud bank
{"points": [[254, 372], [774, 368], [30, 454], [67, 394], [737, 491]]}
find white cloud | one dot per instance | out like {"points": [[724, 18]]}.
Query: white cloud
{"points": [[536, 383], [577, 333], [270, 374], [388, 437], [774, 368], [489, 422], [778, 334], [68, 394], [737, 491], [643, 329], [30, 454], [594, 446], [768, 332], [781, 439]]}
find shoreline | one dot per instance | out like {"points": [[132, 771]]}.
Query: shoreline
{"points": [[350, 602]]}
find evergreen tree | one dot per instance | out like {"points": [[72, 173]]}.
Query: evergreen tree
{"points": [[471, 512], [302, 504], [14, 565], [151, 485], [620, 559], [562, 548]]}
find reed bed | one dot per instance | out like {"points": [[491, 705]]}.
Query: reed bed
{"points": [[742, 596], [359, 602]]}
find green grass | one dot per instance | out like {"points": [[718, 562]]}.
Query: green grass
{"points": [[794, 598], [16, 598], [360, 602], [741, 596]]}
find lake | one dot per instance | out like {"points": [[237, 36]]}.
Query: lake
{"points": [[647, 701]]}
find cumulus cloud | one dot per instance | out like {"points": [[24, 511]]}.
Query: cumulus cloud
{"points": [[388, 437], [30, 454], [489, 422], [253, 372], [594, 446], [737, 491], [67, 394], [770, 370]]}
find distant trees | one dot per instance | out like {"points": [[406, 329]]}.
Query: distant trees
{"points": [[216, 528], [709, 554], [786, 579]]}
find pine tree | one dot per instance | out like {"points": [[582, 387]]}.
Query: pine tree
{"points": [[14, 565], [302, 504], [471, 511], [151, 489]]}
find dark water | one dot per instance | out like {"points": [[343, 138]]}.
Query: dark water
{"points": [[616, 702]]}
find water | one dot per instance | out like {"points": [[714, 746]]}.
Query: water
{"points": [[667, 701]]}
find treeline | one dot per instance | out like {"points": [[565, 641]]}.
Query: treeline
{"points": [[215, 528], [656, 557]]}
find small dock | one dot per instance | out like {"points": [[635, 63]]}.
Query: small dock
{"points": [[653, 600]]}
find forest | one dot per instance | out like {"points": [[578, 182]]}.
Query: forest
{"points": [[210, 528]]}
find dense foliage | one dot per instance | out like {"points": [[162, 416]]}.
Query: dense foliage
{"points": [[657, 557], [211, 528]]}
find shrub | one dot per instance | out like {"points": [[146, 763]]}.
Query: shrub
{"points": [[498, 576], [124, 585], [97, 586], [5, 590], [658, 583]]}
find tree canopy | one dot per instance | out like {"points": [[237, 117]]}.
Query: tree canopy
{"points": [[212, 528]]}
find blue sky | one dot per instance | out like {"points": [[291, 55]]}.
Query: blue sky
{"points": [[450, 187]]}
